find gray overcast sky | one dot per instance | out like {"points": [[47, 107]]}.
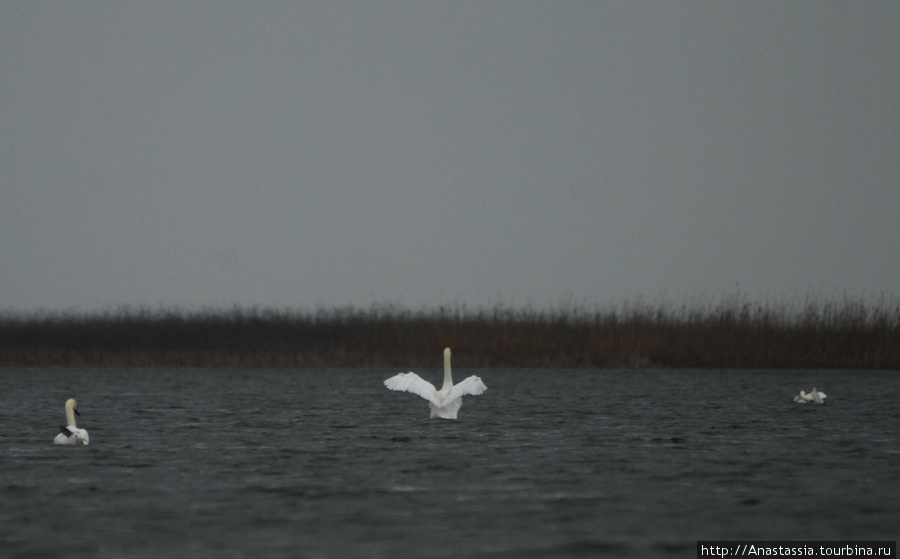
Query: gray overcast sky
{"points": [[308, 154]]}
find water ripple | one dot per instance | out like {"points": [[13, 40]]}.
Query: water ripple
{"points": [[186, 463]]}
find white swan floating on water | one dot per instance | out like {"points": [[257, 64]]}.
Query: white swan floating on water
{"points": [[70, 434], [445, 402], [814, 397]]}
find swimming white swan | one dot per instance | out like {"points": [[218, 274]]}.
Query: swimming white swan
{"points": [[70, 434], [445, 402], [814, 397]]}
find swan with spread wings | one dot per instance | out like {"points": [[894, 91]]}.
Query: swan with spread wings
{"points": [[444, 403]]}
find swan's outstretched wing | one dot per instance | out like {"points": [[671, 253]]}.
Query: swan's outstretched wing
{"points": [[471, 386], [414, 384]]}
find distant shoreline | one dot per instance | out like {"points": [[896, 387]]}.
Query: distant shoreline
{"points": [[734, 334]]}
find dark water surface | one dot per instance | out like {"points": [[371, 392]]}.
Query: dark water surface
{"points": [[299, 463]]}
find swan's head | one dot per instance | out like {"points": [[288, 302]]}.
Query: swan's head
{"points": [[446, 352], [72, 404]]}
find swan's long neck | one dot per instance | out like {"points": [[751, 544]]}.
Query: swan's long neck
{"points": [[448, 380], [70, 413]]}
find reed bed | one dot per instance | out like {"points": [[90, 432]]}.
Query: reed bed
{"points": [[729, 334]]}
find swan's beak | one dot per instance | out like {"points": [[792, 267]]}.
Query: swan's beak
{"points": [[76, 411]]}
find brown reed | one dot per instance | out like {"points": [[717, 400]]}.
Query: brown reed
{"points": [[732, 333]]}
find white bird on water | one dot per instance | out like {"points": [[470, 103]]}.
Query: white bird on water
{"points": [[814, 397], [445, 402], [70, 434]]}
